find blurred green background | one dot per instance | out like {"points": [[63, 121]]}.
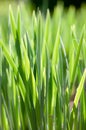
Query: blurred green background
{"points": [[31, 5], [44, 4]]}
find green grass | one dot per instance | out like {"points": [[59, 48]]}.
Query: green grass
{"points": [[42, 60]]}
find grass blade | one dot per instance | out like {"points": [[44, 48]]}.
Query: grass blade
{"points": [[77, 59], [13, 26], [12, 64], [77, 98]]}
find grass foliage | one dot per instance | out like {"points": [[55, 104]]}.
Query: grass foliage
{"points": [[42, 62]]}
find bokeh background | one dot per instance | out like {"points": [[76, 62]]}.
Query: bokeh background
{"points": [[44, 4], [52, 3]]}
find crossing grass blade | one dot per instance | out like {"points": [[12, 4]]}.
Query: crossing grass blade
{"points": [[55, 57], [5, 122], [77, 58], [77, 98], [12, 64], [79, 90]]}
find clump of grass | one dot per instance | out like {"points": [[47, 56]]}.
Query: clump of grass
{"points": [[39, 70]]}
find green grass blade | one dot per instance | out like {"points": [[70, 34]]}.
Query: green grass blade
{"points": [[8, 57], [8, 119], [29, 51], [13, 25], [18, 23], [4, 119], [56, 46], [47, 86], [74, 37], [77, 98], [33, 88], [38, 51], [46, 37], [77, 59], [12, 64], [25, 62], [64, 52], [79, 89]]}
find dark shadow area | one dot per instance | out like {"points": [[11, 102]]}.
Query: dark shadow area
{"points": [[52, 3]]}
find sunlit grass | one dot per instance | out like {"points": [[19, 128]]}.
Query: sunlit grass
{"points": [[42, 60]]}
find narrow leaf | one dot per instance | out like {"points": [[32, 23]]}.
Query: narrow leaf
{"points": [[12, 64]]}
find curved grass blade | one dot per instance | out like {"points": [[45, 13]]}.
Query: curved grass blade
{"points": [[77, 98], [79, 89], [77, 59], [4, 119], [12, 64], [6, 113]]}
